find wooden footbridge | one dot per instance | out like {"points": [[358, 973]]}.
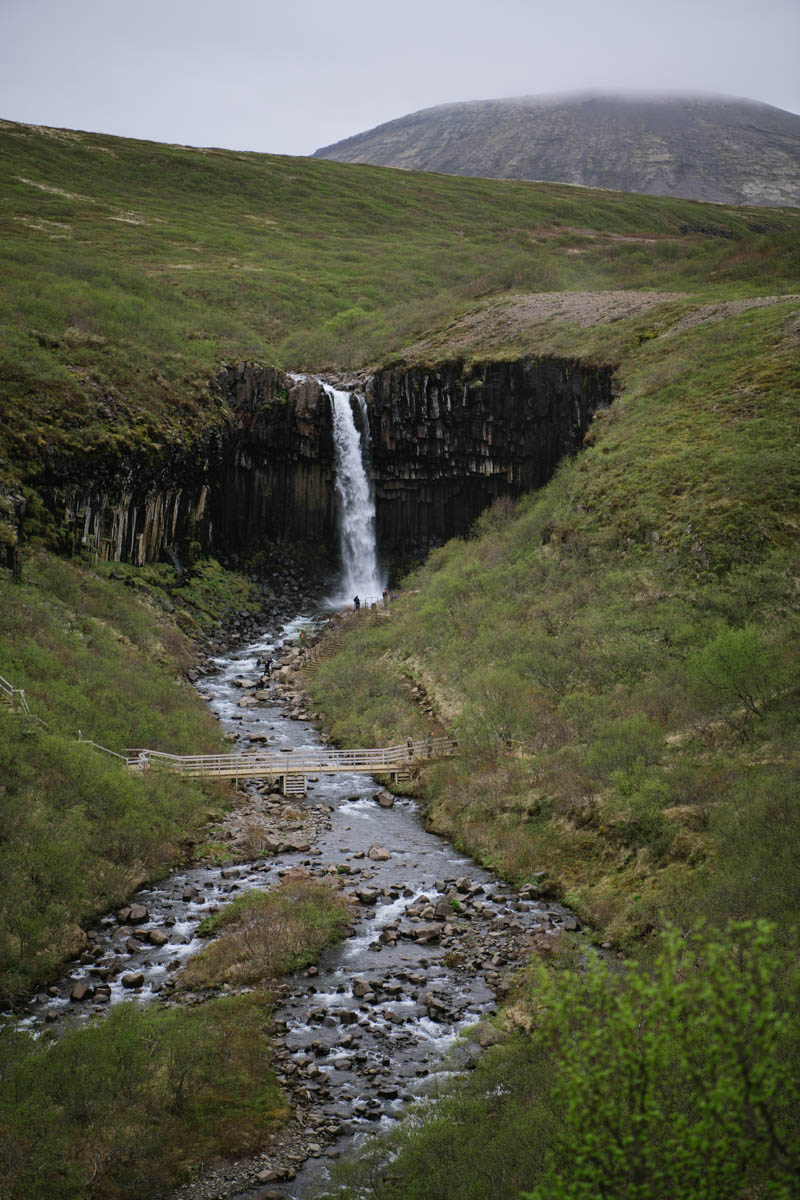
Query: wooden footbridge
{"points": [[291, 767], [288, 767]]}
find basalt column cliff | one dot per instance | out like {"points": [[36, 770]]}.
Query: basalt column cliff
{"points": [[445, 441]]}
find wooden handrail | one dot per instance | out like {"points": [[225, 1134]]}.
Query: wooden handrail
{"points": [[301, 760], [16, 697]]}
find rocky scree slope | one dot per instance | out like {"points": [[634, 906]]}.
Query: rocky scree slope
{"points": [[712, 148]]}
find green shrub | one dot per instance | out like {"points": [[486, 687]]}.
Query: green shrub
{"points": [[130, 1104], [735, 673]]}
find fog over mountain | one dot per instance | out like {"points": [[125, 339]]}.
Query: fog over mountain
{"points": [[702, 147]]}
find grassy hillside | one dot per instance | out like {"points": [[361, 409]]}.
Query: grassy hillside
{"points": [[131, 269], [618, 653], [78, 831]]}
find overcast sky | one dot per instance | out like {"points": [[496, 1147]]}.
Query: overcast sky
{"points": [[293, 75]]}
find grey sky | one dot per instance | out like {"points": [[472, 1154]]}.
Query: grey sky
{"points": [[289, 77]]}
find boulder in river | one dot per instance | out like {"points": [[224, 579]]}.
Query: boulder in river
{"points": [[138, 914], [132, 979], [384, 798], [378, 853], [81, 991]]}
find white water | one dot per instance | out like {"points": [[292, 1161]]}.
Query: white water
{"points": [[360, 574]]}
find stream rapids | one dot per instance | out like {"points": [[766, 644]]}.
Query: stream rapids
{"points": [[374, 1025]]}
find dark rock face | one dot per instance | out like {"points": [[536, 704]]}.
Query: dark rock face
{"points": [[264, 476], [445, 443], [274, 481]]}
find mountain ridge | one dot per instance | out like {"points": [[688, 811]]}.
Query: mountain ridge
{"points": [[718, 149]]}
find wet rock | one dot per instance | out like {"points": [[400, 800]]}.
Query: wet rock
{"points": [[384, 798], [157, 937], [132, 979], [81, 991], [486, 1035], [378, 853], [367, 896], [426, 933], [361, 987], [137, 914]]}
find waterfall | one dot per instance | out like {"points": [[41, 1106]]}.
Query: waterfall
{"points": [[360, 574]]}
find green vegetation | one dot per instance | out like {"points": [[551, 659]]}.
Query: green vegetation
{"points": [[619, 655], [131, 269], [79, 831], [264, 934], [133, 1103], [633, 1085]]}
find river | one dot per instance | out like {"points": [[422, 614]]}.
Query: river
{"points": [[369, 1029]]}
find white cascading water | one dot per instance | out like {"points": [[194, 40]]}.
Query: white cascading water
{"points": [[360, 574]]}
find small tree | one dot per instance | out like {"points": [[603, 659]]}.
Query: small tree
{"points": [[681, 1081], [734, 674]]}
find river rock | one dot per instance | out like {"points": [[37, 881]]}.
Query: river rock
{"points": [[426, 933], [384, 798], [378, 854], [81, 991], [138, 914], [132, 979], [361, 987], [157, 937], [367, 895]]}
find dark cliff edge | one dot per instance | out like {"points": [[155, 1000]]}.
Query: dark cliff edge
{"points": [[263, 475], [446, 442]]}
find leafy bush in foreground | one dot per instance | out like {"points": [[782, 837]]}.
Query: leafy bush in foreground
{"points": [[680, 1080]]}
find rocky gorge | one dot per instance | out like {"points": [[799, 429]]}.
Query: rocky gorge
{"points": [[432, 947]]}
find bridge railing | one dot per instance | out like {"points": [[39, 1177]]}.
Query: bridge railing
{"points": [[13, 696], [299, 760]]}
